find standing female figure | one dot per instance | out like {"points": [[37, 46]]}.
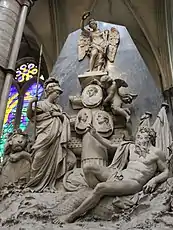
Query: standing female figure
{"points": [[51, 157]]}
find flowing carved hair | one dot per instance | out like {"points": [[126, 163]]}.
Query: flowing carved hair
{"points": [[151, 133]]}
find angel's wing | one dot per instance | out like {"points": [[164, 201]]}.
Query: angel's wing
{"points": [[113, 43], [83, 46]]}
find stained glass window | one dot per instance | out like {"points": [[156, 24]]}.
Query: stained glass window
{"points": [[27, 71], [30, 93], [24, 73], [9, 116]]}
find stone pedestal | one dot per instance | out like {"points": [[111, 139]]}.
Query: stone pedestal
{"points": [[85, 78]]}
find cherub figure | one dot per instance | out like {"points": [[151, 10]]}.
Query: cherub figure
{"points": [[115, 98], [99, 46]]}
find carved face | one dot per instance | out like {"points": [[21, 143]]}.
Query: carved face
{"points": [[93, 25], [53, 91], [92, 91], [18, 142], [92, 96], [54, 95], [102, 119], [83, 118], [142, 139]]}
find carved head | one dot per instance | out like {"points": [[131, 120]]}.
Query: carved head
{"points": [[101, 118], [145, 135], [106, 81], [92, 91], [92, 24], [17, 141], [52, 88], [83, 117]]}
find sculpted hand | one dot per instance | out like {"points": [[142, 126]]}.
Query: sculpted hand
{"points": [[66, 115], [149, 187], [57, 114], [105, 103], [34, 99], [92, 130], [85, 15]]}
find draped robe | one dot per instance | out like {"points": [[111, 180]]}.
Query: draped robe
{"points": [[50, 148]]}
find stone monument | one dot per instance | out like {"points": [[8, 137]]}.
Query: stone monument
{"points": [[88, 166]]}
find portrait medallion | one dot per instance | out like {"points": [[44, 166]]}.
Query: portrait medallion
{"points": [[83, 120], [103, 123], [92, 96]]}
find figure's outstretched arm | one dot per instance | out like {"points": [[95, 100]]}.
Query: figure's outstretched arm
{"points": [[102, 140]]}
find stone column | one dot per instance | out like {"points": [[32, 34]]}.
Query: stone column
{"points": [[9, 14], [13, 14]]}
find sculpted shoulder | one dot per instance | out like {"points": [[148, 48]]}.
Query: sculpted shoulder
{"points": [[160, 154]]}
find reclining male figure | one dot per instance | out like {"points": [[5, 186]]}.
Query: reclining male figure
{"points": [[144, 160]]}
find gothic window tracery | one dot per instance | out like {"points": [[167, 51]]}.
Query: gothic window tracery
{"points": [[22, 90]]}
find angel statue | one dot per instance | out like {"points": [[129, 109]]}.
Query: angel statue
{"points": [[99, 46]]}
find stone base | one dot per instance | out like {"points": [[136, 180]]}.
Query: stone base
{"points": [[20, 210], [85, 78], [15, 172]]}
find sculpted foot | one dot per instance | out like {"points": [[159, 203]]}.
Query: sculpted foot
{"points": [[64, 219], [71, 218], [27, 189], [128, 119]]}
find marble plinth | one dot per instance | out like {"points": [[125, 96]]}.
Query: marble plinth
{"points": [[85, 78]]}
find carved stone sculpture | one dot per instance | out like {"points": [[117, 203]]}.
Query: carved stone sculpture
{"points": [[99, 46], [93, 114], [51, 156], [115, 98], [136, 174], [145, 119], [127, 174], [92, 150], [15, 167], [92, 96]]}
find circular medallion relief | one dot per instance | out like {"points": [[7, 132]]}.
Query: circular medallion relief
{"points": [[103, 123], [92, 96], [83, 119]]}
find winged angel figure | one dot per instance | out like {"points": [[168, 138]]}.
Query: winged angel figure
{"points": [[99, 46]]}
